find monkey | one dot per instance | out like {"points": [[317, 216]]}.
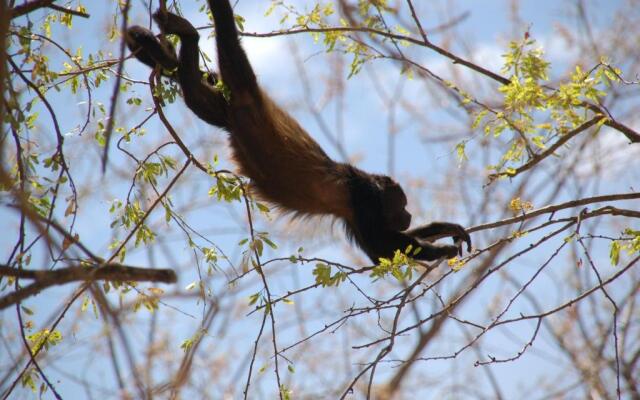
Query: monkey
{"points": [[285, 165]]}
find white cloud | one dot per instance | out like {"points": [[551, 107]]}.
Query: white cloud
{"points": [[611, 157]]}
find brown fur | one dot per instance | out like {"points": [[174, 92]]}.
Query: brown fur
{"points": [[286, 166], [284, 157]]}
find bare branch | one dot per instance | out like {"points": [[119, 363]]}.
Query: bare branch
{"points": [[110, 272], [26, 8], [539, 157], [69, 11], [569, 204]]}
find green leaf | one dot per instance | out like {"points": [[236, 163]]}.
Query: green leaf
{"points": [[478, 119], [269, 242], [85, 304], [26, 310], [614, 253], [253, 299]]}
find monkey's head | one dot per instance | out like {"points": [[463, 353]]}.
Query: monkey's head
{"points": [[378, 203], [393, 203]]}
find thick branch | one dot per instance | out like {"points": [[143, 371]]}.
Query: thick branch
{"points": [[553, 208], [429, 45], [539, 157], [112, 272], [631, 134], [69, 11], [26, 8]]}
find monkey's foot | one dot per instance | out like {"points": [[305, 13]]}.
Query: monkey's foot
{"points": [[173, 24]]}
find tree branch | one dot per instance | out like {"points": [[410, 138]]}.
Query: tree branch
{"points": [[69, 11], [562, 206], [26, 8], [111, 272], [631, 134], [539, 157]]}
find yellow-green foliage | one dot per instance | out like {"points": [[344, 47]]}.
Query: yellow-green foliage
{"points": [[535, 114]]}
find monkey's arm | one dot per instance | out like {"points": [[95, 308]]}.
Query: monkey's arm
{"points": [[200, 95], [203, 98], [438, 230], [235, 68]]}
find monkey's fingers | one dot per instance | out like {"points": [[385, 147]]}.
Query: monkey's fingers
{"points": [[467, 239], [463, 236], [458, 243]]}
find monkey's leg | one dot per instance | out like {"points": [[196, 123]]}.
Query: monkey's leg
{"points": [[438, 230], [235, 68], [200, 94]]}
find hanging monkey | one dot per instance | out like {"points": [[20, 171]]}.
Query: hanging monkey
{"points": [[286, 166]]}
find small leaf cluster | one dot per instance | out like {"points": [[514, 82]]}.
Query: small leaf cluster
{"points": [[149, 171], [518, 206], [149, 301], [630, 245], [187, 344], [401, 266], [130, 216], [168, 91], [318, 16], [258, 242], [456, 263], [227, 187], [260, 300], [534, 113], [43, 339], [325, 277], [29, 379], [255, 247]]}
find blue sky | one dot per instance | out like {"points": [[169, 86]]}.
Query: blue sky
{"points": [[486, 32]]}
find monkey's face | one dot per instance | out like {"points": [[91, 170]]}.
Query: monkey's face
{"points": [[394, 201]]}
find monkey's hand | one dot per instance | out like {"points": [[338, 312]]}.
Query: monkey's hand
{"points": [[460, 237], [437, 230]]}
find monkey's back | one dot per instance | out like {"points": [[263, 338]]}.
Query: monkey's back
{"points": [[285, 164]]}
